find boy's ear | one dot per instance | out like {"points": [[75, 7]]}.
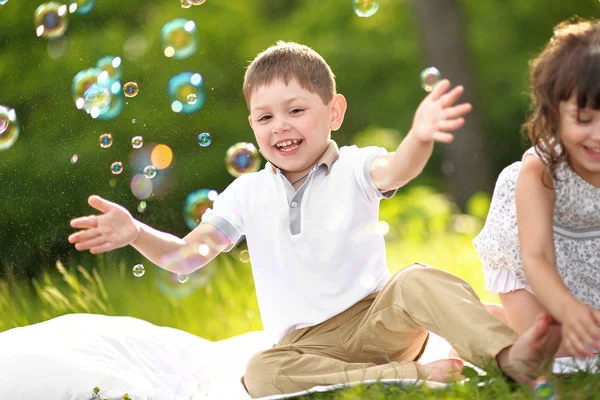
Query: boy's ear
{"points": [[338, 110], [250, 120]]}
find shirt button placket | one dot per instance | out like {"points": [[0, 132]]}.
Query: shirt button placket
{"points": [[294, 204]]}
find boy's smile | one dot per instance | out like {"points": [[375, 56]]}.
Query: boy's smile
{"points": [[292, 125]]}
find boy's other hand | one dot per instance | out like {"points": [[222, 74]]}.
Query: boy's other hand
{"points": [[112, 229], [437, 115], [581, 330]]}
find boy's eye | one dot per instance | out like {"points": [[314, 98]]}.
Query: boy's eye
{"points": [[264, 118], [296, 110]]}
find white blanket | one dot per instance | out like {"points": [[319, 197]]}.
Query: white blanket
{"points": [[66, 357]]}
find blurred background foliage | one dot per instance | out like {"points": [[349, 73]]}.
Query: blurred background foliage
{"points": [[377, 62]]}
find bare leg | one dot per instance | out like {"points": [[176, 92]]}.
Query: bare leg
{"points": [[522, 308], [533, 353]]}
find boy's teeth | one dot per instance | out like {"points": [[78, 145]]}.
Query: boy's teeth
{"points": [[289, 142]]}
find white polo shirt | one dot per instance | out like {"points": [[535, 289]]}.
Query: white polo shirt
{"points": [[314, 251]]}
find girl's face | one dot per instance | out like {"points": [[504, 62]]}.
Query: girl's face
{"points": [[580, 135]]}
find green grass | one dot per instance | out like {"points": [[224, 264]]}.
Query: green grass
{"points": [[422, 226]]}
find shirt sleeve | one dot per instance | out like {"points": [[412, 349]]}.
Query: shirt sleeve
{"points": [[362, 172], [226, 212]]}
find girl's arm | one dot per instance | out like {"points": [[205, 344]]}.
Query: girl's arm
{"points": [[535, 209]]}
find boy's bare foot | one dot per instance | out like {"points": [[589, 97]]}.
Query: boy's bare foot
{"points": [[444, 370], [533, 352]]}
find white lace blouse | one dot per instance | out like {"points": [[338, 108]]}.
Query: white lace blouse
{"points": [[576, 225]]}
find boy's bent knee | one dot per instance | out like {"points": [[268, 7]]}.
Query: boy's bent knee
{"points": [[259, 375]]}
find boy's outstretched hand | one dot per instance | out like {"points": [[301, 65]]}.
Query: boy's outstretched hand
{"points": [[437, 115], [112, 229]]}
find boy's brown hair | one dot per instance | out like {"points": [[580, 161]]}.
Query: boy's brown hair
{"points": [[570, 63], [287, 61]]}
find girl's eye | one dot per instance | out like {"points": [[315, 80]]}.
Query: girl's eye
{"points": [[584, 120]]}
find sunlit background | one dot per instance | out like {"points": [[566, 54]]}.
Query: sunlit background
{"points": [[140, 102]]}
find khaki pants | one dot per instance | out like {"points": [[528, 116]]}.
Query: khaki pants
{"points": [[382, 336]]}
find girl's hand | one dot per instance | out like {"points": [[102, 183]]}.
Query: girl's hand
{"points": [[581, 330], [437, 115], [108, 231]]}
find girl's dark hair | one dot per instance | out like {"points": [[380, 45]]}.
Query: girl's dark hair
{"points": [[569, 64]]}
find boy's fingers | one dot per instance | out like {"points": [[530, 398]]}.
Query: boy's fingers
{"points": [[443, 137], [451, 97], [99, 203], [101, 248], [439, 89], [451, 124], [457, 111], [85, 222], [83, 235], [88, 244]]}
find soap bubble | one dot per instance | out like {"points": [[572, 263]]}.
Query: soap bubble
{"points": [[106, 140], [51, 20], [183, 85], [96, 100], [9, 127], [204, 139], [179, 38], [138, 270], [111, 70], [196, 205], [365, 8], [429, 78], [182, 278], [116, 167], [242, 158], [185, 3], [137, 142], [150, 171], [130, 89]]}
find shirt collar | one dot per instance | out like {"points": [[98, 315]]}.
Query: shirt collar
{"points": [[331, 154]]}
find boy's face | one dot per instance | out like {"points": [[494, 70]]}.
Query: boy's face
{"points": [[292, 125]]}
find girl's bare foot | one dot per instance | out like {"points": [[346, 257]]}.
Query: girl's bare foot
{"points": [[444, 370], [533, 352]]}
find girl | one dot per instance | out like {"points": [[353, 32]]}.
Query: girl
{"points": [[540, 246]]}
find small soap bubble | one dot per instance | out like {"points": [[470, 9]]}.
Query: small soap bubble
{"points": [[150, 171], [112, 182], [133, 121], [138, 270], [9, 127], [142, 206], [106, 140], [204, 139], [182, 278], [242, 158], [429, 78], [196, 2], [137, 142], [244, 256], [192, 99], [185, 3], [179, 38], [365, 8], [96, 100], [130, 89], [51, 20], [116, 167], [74, 158], [3, 2], [184, 87], [196, 205]]}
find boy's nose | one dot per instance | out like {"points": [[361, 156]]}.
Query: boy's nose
{"points": [[280, 127]]}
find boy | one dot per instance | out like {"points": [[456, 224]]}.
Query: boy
{"points": [[325, 294]]}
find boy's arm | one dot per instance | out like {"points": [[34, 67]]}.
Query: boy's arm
{"points": [[169, 252], [434, 118], [115, 228]]}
